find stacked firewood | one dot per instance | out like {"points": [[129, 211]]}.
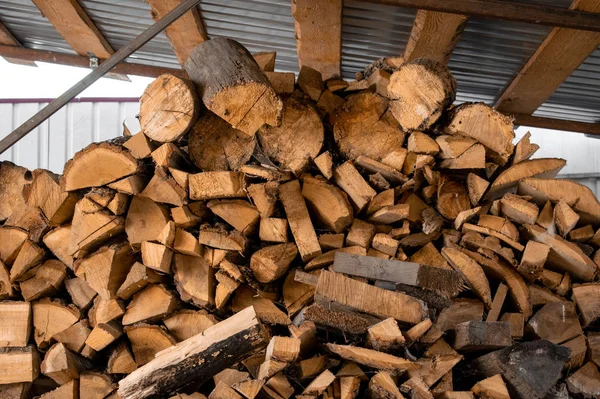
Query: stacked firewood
{"points": [[301, 239]]}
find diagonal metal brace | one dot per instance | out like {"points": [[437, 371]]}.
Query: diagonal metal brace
{"points": [[96, 74]]}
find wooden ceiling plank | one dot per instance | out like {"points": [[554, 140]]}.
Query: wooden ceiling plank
{"points": [[75, 26], [559, 55], [7, 38], [185, 33], [434, 35], [318, 27]]}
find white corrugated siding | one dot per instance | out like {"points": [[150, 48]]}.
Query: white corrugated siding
{"points": [[68, 131], [81, 123]]}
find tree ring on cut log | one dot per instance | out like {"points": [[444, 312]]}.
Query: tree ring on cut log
{"points": [[420, 91], [215, 145], [361, 127], [96, 165], [168, 108], [298, 140]]}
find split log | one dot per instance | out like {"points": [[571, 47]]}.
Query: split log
{"points": [[452, 198], [74, 337], [216, 185], [482, 335], [484, 124], [270, 263], [328, 203], [565, 218], [151, 304], [109, 163], [471, 271], [29, 255], [332, 289], [509, 178], [564, 256], [576, 195], [164, 189], [168, 108], [588, 302], [371, 358], [95, 385], [219, 347], [274, 230], [51, 317], [11, 241], [491, 388], [238, 92], [585, 382], [473, 158], [45, 193], [145, 220], [62, 365], [298, 139], [527, 376], [524, 149], [385, 336], [360, 128], [147, 341], [241, 215], [216, 146], [19, 365], [518, 209], [310, 81], [13, 178], [15, 318], [447, 282], [139, 146], [420, 92], [157, 256], [477, 187], [299, 220], [47, 281], [194, 279], [348, 179]]}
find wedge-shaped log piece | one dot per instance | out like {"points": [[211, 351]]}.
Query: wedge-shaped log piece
{"points": [[194, 279], [299, 220], [106, 270], [215, 185], [270, 263], [90, 230], [121, 360], [15, 319], [371, 358], [168, 108], [385, 336], [109, 163], [382, 386], [215, 145], [139, 145], [220, 238], [138, 277], [218, 347], [146, 220], [157, 256], [473, 158], [19, 365], [556, 322], [223, 391], [472, 273], [265, 308], [452, 198], [147, 340], [530, 369], [494, 233], [75, 336], [164, 189], [46, 194], [57, 241], [298, 139], [585, 382], [334, 289], [327, 203], [95, 385], [241, 215], [151, 304], [13, 178], [11, 240], [319, 384], [482, 336], [348, 179], [285, 349], [238, 92], [524, 149], [477, 187], [564, 256], [576, 195], [29, 255], [62, 365], [587, 297], [70, 390], [6, 287], [47, 281], [420, 91], [362, 127], [518, 209], [421, 143], [51, 317], [565, 218], [447, 282], [187, 323], [348, 323], [491, 388], [484, 124], [509, 178]]}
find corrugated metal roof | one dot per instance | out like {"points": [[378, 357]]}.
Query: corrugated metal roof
{"points": [[488, 56]]}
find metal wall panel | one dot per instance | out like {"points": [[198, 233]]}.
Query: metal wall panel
{"points": [[68, 131]]}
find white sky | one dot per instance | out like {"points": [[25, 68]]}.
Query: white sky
{"points": [[51, 80]]}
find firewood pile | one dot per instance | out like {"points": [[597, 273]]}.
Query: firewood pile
{"points": [[270, 237]]}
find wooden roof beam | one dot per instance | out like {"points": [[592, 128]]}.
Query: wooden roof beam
{"points": [[185, 33], [553, 62], [7, 38], [75, 26], [318, 26], [507, 11], [558, 124], [434, 35]]}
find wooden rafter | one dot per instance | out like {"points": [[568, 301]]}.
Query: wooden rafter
{"points": [[434, 35], [186, 33], [75, 26], [318, 26], [125, 68], [558, 124], [507, 11], [7, 38], [553, 62]]}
